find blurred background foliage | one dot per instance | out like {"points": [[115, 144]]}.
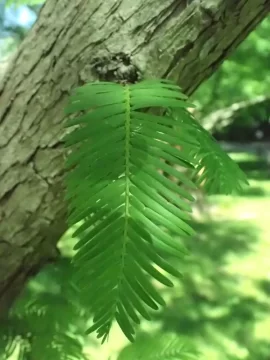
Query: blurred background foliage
{"points": [[243, 76], [221, 307]]}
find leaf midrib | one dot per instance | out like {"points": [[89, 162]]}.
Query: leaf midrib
{"points": [[127, 194]]}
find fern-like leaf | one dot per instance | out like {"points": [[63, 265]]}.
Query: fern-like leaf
{"points": [[8, 342], [160, 347], [46, 324], [131, 212], [214, 168]]}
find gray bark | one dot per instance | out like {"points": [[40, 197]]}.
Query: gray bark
{"points": [[68, 46]]}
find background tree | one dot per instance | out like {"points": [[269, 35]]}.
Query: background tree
{"points": [[243, 77]]}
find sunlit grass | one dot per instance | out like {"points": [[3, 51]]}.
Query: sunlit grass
{"points": [[254, 266]]}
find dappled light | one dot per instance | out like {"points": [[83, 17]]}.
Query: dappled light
{"points": [[219, 305]]}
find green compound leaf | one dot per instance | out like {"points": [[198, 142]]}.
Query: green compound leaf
{"points": [[131, 215]]}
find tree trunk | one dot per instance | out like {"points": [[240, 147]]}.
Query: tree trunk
{"points": [[74, 42]]}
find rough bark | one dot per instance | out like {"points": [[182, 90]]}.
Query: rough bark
{"points": [[75, 42]]}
